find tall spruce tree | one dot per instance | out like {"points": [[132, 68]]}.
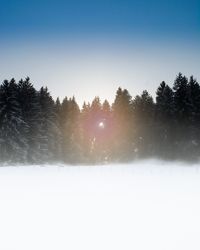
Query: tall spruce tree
{"points": [[85, 132], [182, 99], [144, 113], [27, 97], [164, 121], [123, 120], [96, 133], [13, 129], [71, 131], [58, 122], [183, 119], [194, 128], [49, 128], [107, 132]]}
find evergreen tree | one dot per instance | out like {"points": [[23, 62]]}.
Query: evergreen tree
{"points": [[164, 121], [194, 128], [85, 132], [71, 131], [122, 126], [144, 113], [94, 135], [49, 128], [58, 115], [58, 106], [183, 119], [27, 97], [107, 132], [13, 143], [194, 95], [182, 99]]}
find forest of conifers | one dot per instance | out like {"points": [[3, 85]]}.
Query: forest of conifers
{"points": [[36, 129]]}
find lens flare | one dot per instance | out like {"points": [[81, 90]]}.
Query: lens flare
{"points": [[101, 125]]}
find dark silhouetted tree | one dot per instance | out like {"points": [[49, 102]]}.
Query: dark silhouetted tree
{"points": [[122, 126], [164, 121], [13, 141], [48, 127], [71, 131], [144, 113], [183, 117]]}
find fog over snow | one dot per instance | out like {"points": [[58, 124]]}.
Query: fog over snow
{"points": [[144, 205]]}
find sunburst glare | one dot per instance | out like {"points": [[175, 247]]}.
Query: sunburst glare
{"points": [[101, 125]]}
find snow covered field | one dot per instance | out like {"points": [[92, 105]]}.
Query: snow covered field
{"points": [[144, 205]]}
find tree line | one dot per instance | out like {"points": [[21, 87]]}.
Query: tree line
{"points": [[35, 129]]}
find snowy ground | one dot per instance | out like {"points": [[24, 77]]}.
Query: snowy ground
{"points": [[146, 205]]}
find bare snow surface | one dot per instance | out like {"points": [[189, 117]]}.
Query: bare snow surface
{"points": [[141, 206]]}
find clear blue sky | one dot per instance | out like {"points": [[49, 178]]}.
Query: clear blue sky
{"points": [[120, 42], [35, 17]]}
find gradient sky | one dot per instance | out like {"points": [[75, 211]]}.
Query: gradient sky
{"points": [[88, 48]]}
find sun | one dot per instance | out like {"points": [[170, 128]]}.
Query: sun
{"points": [[101, 125]]}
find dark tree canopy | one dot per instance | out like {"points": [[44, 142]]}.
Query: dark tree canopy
{"points": [[36, 129]]}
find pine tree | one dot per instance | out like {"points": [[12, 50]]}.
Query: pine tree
{"points": [[144, 113], [71, 131], [58, 122], [164, 121], [194, 92], [107, 135], [49, 129], [122, 126], [27, 97], [182, 98], [194, 128], [183, 119], [85, 132], [13, 142]]}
